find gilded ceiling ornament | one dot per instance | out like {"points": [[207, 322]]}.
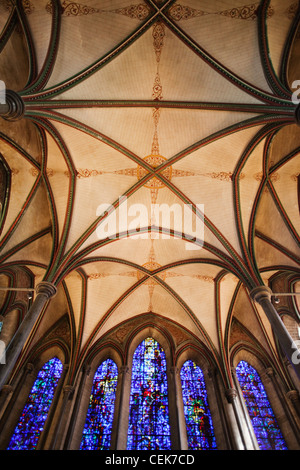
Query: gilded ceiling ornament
{"points": [[157, 88], [136, 12], [182, 12], [73, 8], [273, 176], [158, 38], [86, 173], [27, 5], [292, 10], [36, 172]]}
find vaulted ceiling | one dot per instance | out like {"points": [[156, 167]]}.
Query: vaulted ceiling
{"points": [[184, 104]]}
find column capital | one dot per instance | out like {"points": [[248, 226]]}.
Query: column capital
{"points": [[270, 372], [14, 106], [260, 293], [231, 394], [68, 390], [293, 395], [124, 370], [7, 389], [46, 288], [297, 114]]}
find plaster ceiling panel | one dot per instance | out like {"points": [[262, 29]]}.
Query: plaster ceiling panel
{"points": [[40, 22], [138, 303], [75, 287], [59, 181], [5, 13], [108, 21], [157, 69], [37, 251], [23, 179], [276, 229], [24, 135], [197, 292], [268, 256], [174, 131], [155, 207], [253, 318], [248, 185], [101, 297], [285, 141], [227, 30], [219, 211], [287, 177], [278, 27], [30, 225], [227, 288]]}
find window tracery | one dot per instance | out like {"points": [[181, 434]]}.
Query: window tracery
{"points": [[261, 414], [32, 420], [99, 419], [198, 418], [149, 427]]}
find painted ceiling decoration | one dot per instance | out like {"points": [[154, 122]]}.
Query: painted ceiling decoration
{"points": [[132, 105]]}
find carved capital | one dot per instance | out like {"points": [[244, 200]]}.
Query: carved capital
{"points": [[260, 293], [14, 106], [68, 390], [124, 370], [6, 389], [46, 288], [231, 394], [293, 395], [297, 114]]}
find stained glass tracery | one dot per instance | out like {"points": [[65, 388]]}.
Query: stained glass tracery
{"points": [[198, 418], [149, 427], [32, 420], [262, 417], [99, 420]]}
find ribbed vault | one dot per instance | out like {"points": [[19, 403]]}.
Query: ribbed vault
{"points": [[127, 105]]}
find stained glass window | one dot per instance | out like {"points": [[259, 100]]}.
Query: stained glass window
{"points": [[264, 424], [149, 427], [98, 424], [198, 419], [34, 415]]}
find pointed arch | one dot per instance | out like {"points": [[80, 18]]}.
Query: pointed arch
{"points": [[149, 427], [199, 426], [33, 417], [265, 426], [99, 419]]}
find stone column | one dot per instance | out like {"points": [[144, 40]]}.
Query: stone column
{"points": [[231, 395], [180, 410], [45, 290], [4, 396], [293, 396], [245, 412], [69, 441], [287, 409], [13, 108], [63, 415], [262, 295], [174, 408], [125, 382]]}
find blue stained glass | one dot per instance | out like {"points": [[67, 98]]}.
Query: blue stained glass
{"points": [[149, 427], [198, 419], [34, 415], [264, 423], [98, 424]]}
